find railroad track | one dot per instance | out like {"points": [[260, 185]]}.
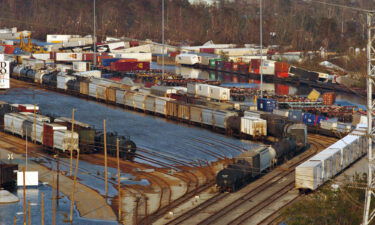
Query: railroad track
{"points": [[33, 151], [281, 177]]}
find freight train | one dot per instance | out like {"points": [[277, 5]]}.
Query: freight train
{"points": [[55, 134], [220, 116], [325, 165], [253, 163], [117, 93]]}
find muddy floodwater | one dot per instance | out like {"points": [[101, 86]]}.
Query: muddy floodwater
{"points": [[182, 141]]}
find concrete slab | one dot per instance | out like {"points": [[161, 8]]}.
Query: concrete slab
{"points": [[6, 197]]}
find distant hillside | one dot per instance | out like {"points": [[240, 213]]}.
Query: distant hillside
{"points": [[301, 24]]}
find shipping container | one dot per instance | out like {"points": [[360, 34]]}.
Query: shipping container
{"points": [[266, 104], [188, 59], [254, 127], [254, 66], [212, 62], [41, 56], [203, 90], [68, 57], [281, 69], [162, 91], [207, 50], [139, 56], [329, 98], [192, 88], [130, 66], [81, 66], [107, 62], [268, 67], [296, 115], [219, 93], [309, 119], [28, 108], [328, 125]]}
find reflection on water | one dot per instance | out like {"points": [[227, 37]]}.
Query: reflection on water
{"points": [[279, 89], [8, 211], [147, 131]]}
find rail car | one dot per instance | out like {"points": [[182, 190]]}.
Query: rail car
{"points": [[206, 114], [55, 133], [322, 167], [253, 163]]}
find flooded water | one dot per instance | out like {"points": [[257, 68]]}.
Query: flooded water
{"points": [[34, 195], [179, 140], [228, 79]]}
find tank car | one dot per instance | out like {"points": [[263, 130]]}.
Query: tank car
{"points": [[50, 79], [234, 177], [247, 167], [285, 149]]}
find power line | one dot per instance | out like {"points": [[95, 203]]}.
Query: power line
{"points": [[341, 6]]}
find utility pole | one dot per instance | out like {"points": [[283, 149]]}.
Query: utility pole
{"points": [[94, 38], [26, 149], [71, 145], [162, 38], [24, 194], [105, 160], [34, 133], [42, 209], [369, 212], [261, 46], [118, 179], [74, 187], [57, 178]]}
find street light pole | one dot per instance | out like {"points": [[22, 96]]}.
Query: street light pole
{"points": [[94, 38], [162, 37], [261, 47]]}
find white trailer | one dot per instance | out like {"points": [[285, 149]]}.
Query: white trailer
{"points": [[188, 59]]}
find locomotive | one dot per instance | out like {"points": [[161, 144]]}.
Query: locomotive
{"points": [[252, 164], [55, 133]]}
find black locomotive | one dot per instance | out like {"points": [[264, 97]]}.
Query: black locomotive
{"points": [[252, 164]]}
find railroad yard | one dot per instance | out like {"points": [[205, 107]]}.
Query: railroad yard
{"points": [[129, 131]]}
